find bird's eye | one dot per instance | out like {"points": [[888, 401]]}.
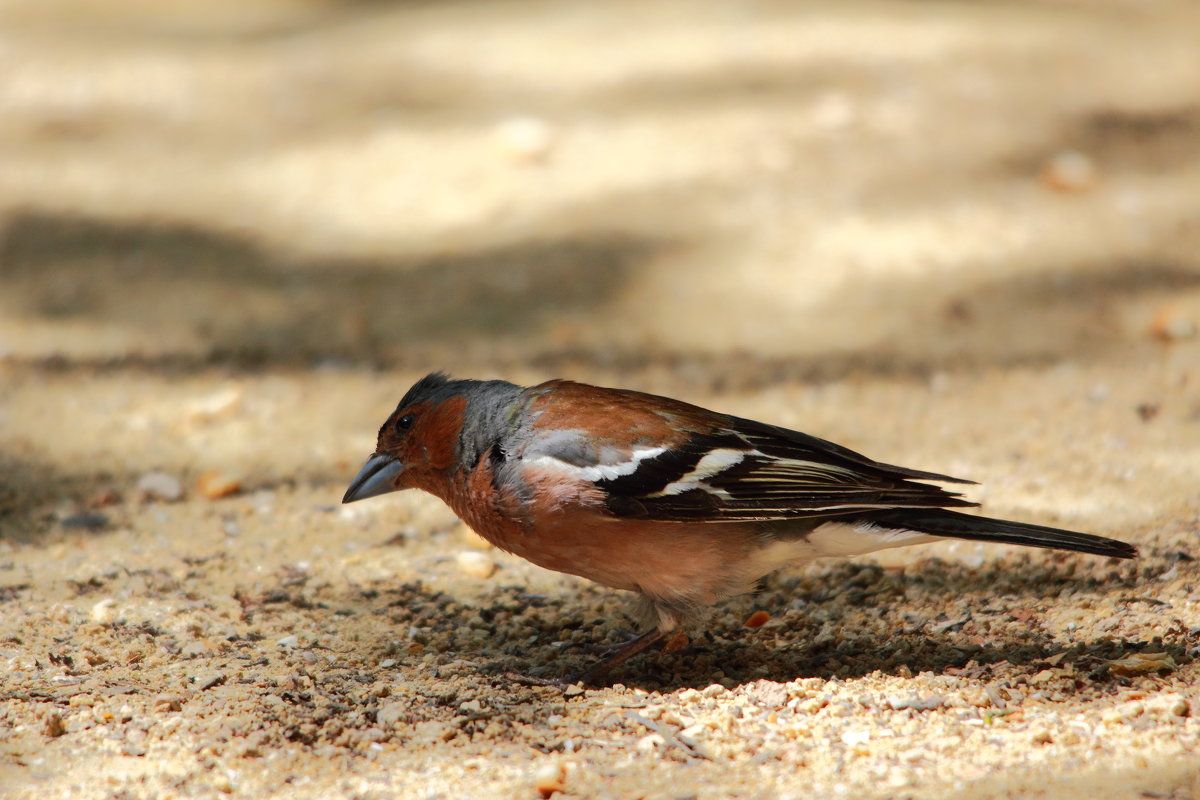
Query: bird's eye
{"points": [[404, 422]]}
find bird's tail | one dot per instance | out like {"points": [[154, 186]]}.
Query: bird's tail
{"points": [[952, 524]]}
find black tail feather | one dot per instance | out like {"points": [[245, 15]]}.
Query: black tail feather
{"points": [[984, 529]]}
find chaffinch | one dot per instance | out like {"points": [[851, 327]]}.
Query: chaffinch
{"points": [[683, 505]]}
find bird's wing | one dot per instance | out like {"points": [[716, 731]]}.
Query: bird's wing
{"points": [[658, 459]]}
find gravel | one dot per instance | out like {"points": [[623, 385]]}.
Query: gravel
{"points": [[960, 238]]}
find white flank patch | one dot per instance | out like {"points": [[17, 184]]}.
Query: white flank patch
{"points": [[601, 472], [778, 554], [711, 464], [831, 539], [840, 539]]}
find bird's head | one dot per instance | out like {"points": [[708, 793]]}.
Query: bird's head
{"points": [[439, 427]]}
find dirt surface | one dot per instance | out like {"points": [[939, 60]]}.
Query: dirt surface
{"points": [[957, 236]]}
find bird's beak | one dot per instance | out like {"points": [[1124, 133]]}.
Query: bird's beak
{"points": [[378, 476]]}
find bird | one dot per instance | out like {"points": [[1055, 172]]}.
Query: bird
{"points": [[682, 505]]}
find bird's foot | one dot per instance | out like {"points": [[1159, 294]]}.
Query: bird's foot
{"points": [[619, 655], [613, 656], [595, 648]]}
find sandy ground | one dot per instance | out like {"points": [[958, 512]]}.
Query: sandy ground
{"points": [[958, 236]]}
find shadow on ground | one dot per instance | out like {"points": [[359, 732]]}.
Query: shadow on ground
{"points": [[1126, 141], [250, 309], [856, 620], [246, 309]]}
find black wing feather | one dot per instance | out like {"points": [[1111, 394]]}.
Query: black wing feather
{"points": [[782, 474]]}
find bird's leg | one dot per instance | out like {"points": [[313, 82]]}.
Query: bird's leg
{"points": [[620, 655], [615, 654], [592, 648]]}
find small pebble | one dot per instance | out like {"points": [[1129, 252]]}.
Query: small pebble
{"points": [[135, 749], [1141, 662], [1177, 705], [86, 520], [1170, 324], [916, 702], [471, 707], [54, 725], [693, 735], [207, 681], [550, 778], [649, 742], [856, 737], [160, 486], [525, 139], [1070, 171], [196, 647], [211, 407], [1047, 675], [767, 693], [215, 485], [757, 619], [391, 714], [102, 611], [168, 703], [476, 564]]}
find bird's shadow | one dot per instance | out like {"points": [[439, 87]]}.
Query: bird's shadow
{"points": [[848, 620]]}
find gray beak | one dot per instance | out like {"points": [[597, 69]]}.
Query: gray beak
{"points": [[378, 476]]}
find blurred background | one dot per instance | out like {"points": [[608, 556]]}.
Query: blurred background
{"points": [[284, 183], [292, 208], [688, 198]]}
